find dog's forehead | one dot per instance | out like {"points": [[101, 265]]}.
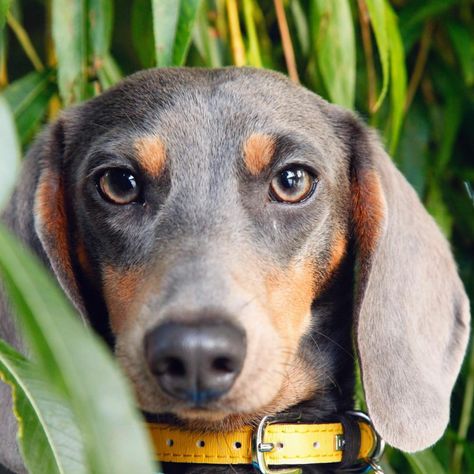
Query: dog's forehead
{"points": [[195, 111]]}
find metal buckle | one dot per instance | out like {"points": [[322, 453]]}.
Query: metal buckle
{"points": [[260, 448], [371, 464]]}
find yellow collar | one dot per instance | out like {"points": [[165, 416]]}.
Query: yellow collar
{"points": [[274, 443]]}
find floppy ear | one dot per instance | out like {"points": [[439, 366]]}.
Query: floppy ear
{"points": [[51, 221], [411, 310]]}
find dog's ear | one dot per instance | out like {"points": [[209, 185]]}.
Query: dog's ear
{"points": [[411, 310], [50, 213]]}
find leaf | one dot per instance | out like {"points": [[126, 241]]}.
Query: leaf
{"points": [[49, 439], [173, 22], [377, 12], [4, 6], [253, 54], [10, 150], [334, 46], [70, 42], [77, 364], [398, 77], [142, 32], [29, 98], [100, 29], [463, 45], [424, 462]]}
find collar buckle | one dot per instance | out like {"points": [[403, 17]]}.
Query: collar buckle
{"points": [[259, 447], [371, 464]]}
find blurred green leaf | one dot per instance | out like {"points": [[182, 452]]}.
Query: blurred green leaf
{"points": [[425, 462], [4, 6], [100, 29], [142, 32], [463, 43], [10, 150], [76, 362], [398, 77], [301, 24], [49, 439], [334, 44], [253, 54], [70, 41], [173, 22], [29, 97], [377, 11]]}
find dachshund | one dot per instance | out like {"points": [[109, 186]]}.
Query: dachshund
{"points": [[242, 244]]}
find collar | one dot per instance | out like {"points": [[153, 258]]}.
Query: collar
{"points": [[276, 442]]}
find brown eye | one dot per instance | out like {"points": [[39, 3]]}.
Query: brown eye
{"points": [[119, 186], [292, 185]]}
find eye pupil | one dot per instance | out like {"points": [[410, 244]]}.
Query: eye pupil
{"points": [[119, 186], [292, 185]]}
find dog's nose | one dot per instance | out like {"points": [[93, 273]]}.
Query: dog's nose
{"points": [[196, 362]]}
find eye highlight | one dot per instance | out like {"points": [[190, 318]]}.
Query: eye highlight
{"points": [[292, 185], [119, 186]]}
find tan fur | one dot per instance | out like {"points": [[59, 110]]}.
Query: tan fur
{"points": [[121, 289], [151, 153], [258, 152]]}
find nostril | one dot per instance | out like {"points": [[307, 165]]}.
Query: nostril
{"points": [[224, 364], [172, 366]]}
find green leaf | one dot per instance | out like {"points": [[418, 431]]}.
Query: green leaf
{"points": [[10, 150], [49, 439], [461, 38], [100, 29], [334, 46], [398, 77], [70, 42], [4, 6], [173, 22], [377, 11], [77, 364], [142, 32], [29, 97], [424, 462], [253, 53]]}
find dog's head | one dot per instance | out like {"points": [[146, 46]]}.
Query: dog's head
{"points": [[210, 216]]}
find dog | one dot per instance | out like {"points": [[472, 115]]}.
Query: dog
{"points": [[240, 243]]}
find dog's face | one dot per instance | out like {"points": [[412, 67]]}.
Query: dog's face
{"points": [[210, 211]]}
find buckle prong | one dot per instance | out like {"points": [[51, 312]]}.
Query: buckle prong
{"points": [[259, 448]]}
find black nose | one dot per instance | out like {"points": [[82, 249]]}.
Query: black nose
{"points": [[196, 362]]}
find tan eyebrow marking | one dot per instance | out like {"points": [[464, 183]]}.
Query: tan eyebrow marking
{"points": [[151, 153], [258, 152]]}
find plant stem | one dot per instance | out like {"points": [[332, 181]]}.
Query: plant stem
{"points": [[288, 50], [236, 41], [254, 49], [420, 63], [369, 55], [25, 42]]}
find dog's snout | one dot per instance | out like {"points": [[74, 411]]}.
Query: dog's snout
{"points": [[196, 362]]}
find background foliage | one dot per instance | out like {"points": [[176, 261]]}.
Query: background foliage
{"points": [[406, 65]]}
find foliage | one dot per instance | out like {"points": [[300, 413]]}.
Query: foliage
{"points": [[406, 65]]}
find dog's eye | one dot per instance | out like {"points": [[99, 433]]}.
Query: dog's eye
{"points": [[119, 186], [292, 185]]}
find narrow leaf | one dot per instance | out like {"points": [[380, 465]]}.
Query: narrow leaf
{"points": [[398, 76], [165, 24], [29, 98], [70, 42], [463, 44], [100, 30], [4, 6], [49, 439], [76, 364], [377, 14], [334, 46], [425, 462], [187, 17], [10, 150]]}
